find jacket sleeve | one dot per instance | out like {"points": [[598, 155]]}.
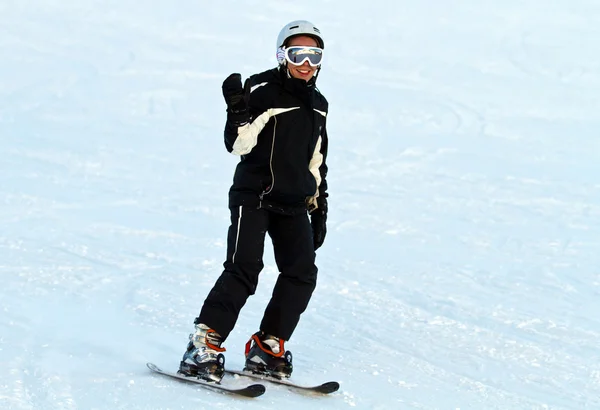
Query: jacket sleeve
{"points": [[323, 168], [242, 136], [318, 167]]}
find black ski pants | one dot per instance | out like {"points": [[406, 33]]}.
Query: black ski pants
{"points": [[295, 258]]}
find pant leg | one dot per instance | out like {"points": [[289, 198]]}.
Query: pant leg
{"points": [[295, 258], [245, 247]]}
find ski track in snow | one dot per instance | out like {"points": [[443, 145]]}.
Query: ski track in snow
{"points": [[460, 268]]}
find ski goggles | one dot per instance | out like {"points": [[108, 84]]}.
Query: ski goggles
{"points": [[297, 55]]}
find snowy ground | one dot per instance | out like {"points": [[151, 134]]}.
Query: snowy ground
{"points": [[461, 266]]}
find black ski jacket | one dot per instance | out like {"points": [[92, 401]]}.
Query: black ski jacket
{"points": [[283, 148]]}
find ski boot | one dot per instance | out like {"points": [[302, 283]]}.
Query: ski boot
{"points": [[203, 358], [266, 355]]}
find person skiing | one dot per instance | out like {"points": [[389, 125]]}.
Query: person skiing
{"points": [[276, 123]]}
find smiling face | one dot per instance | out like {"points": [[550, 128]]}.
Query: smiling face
{"points": [[304, 71]]}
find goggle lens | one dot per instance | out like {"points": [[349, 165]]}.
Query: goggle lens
{"points": [[297, 55]]}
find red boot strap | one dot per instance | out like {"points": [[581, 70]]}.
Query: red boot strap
{"points": [[210, 345], [260, 345], [248, 344]]}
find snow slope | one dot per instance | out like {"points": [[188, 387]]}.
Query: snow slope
{"points": [[460, 269]]}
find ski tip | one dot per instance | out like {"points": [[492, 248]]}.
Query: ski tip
{"points": [[329, 387], [153, 367], [254, 390]]}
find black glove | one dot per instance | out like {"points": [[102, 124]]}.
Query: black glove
{"points": [[318, 221], [236, 98]]}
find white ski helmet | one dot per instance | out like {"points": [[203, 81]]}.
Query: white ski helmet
{"points": [[296, 28]]}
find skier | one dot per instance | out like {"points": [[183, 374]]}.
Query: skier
{"points": [[276, 124]]}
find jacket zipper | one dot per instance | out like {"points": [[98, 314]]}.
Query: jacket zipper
{"points": [[270, 188]]}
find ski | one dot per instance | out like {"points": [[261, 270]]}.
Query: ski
{"points": [[253, 390], [325, 388]]}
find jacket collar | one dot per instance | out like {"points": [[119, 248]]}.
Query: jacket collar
{"points": [[295, 83]]}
